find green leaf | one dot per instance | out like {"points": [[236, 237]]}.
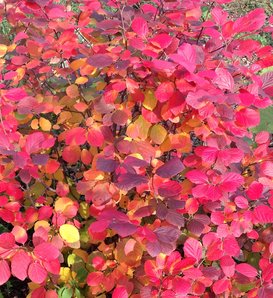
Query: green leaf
{"points": [[266, 122], [65, 292], [82, 274]]}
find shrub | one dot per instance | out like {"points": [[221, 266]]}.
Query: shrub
{"points": [[133, 159]]}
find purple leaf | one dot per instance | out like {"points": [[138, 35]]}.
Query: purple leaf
{"points": [[170, 168], [106, 164], [100, 60], [124, 229], [128, 181]]}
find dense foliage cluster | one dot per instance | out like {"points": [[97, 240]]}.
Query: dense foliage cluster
{"points": [[132, 162]]}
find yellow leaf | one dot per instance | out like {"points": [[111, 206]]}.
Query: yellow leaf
{"points": [[69, 233], [81, 80], [3, 50], [143, 127], [84, 210], [65, 274], [45, 124], [150, 101], [34, 124], [158, 134]]}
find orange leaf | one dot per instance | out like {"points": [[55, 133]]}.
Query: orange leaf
{"points": [[72, 91], [3, 50], [45, 124]]}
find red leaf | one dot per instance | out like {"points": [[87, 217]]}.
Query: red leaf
{"points": [[255, 189], [120, 292], [75, 136], [140, 26], [19, 264], [251, 22], [94, 279], [170, 168], [95, 137], [164, 91], [100, 60], [7, 240], [247, 117], [162, 40], [37, 273], [246, 270], [263, 214], [46, 251], [228, 266], [152, 270], [221, 286], [193, 248], [4, 272]]}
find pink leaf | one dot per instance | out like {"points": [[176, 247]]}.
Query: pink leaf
{"points": [[46, 251], [263, 214], [224, 79], [246, 270], [56, 12], [19, 264], [37, 273], [186, 57], [33, 142], [231, 181], [197, 177], [15, 94], [120, 292], [193, 248], [4, 272], [140, 26], [266, 168]]}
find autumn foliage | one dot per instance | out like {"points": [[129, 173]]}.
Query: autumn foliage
{"points": [[129, 161]]}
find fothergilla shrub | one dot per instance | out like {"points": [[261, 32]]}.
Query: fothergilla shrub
{"points": [[135, 149]]}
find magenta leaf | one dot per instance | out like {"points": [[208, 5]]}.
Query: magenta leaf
{"points": [[193, 248]]}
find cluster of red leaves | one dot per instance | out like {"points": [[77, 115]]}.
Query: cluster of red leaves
{"points": [[128, 164]]}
